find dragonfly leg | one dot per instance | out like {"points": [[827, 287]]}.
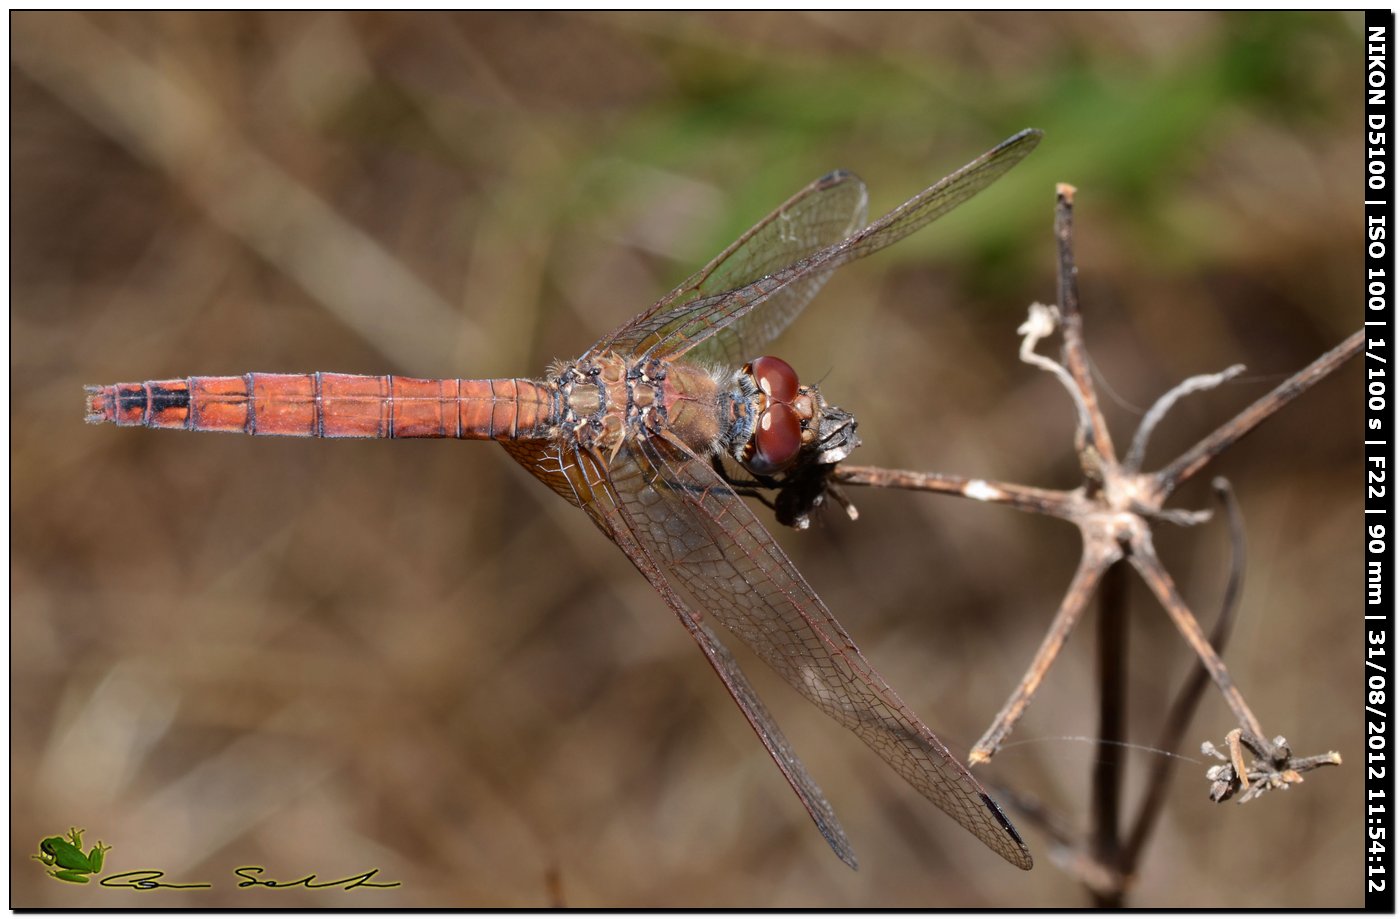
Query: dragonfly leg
{"points": [[747, 488]]}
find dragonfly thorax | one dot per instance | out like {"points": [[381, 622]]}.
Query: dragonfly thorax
{"points": [[607, 399], [759, 415]]}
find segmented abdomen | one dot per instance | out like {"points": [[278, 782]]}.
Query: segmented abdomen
{"points": [[332, 405]]}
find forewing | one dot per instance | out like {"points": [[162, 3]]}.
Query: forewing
{"points": [[825, 212], [690, 324], [693, 525], [767, 729], [580, 479]]}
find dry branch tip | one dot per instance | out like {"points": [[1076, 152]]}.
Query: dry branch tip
{"points": [[1273, 766]]}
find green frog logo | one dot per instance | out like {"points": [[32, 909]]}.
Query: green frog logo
{"points": [[67, 858]]}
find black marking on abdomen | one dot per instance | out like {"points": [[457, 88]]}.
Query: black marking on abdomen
{"points": [[126, 401], [163, 398]]}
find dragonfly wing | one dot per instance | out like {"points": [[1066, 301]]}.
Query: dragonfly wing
{"points": [[768, 731], [690, 323], [825, 212], [545, 461], [739, 688], [580, 480], [690, 524]]}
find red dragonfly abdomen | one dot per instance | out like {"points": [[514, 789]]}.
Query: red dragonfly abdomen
{"points": [[332, 405]]}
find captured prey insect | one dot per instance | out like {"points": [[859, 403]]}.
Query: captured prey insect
{"points": [[633, 432]]}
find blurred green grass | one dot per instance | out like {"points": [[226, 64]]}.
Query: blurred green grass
{"points": [[323, 656]]}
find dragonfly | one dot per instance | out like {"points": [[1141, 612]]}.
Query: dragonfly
{"points": [[643, 433]]}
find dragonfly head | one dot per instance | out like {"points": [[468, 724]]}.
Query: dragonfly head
{"points": [[788, 424], [780, 406], [790, 438]]}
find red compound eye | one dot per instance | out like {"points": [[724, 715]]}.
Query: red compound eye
{"points": [[776, 440], [775, 377]]}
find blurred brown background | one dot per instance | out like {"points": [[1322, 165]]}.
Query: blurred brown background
{"points": [[327, 657]]}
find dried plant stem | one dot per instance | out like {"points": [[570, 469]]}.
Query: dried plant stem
{"points": [[1195, 459], [1133, 461], [1162, 586], [1114, 509], [1091, 567], [1034, 500], [1189, 696], [1076, 358], [1110, 756]]}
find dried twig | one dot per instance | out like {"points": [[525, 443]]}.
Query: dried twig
{"points": [[1086, 578], [1274, 766], [1160, 582], [1133, 461], [1033, 500], [1076, 356], [1189, 696], [1192, 461], [1113, 510], [1114, 507], [1110, 754]]}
